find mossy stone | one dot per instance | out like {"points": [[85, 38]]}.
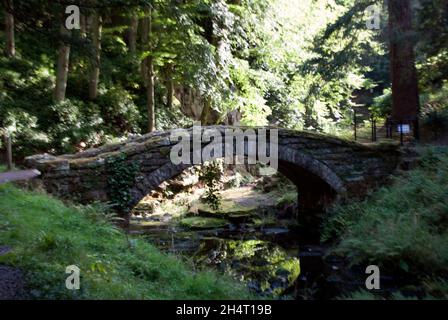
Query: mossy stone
{"points": [[203, 223]]}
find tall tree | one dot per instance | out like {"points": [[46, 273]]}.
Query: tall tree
{"points": [[144, 44], [62, 66], [96, 29], [10, 49], [405, 96], [148, 69], [83, 25], [169, 85], [132, 32]]}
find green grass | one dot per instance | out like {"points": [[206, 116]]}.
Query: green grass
{"points": [[287, 196], [47, 236], [402, 228]]}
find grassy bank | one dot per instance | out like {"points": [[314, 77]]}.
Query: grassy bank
{"points": [[402, 228], [46, 236]]}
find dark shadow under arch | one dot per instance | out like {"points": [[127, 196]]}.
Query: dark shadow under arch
{"points": [[317, 184]]}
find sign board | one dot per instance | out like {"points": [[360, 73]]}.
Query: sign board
{"points": [[403, 128]]}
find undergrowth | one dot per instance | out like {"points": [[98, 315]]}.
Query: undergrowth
{"points": [[46, 236], [402, 228]]}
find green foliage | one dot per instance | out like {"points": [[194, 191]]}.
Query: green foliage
{"points": [[37, 124], [360, 295], [70, 122], [172, 118], [121, 177], [298, 64], [211, 174], [434, 109], [343, 53], [435, 289], [431, 25], [436, 121], [23, 88], [236, 180], [382, 105], [47, 236], [404, 227], [288, 197], [412, 230], [121, 115]]}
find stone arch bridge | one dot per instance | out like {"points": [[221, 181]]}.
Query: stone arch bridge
{"points": [[323, 168]]}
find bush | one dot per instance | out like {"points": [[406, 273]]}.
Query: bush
{"points": [[436, 121], [25, 134], [23, 92], [382, 105], [211, 174], [403, 228], [121, 115]]}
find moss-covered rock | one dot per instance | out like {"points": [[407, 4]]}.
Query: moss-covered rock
{"points": [[203, 223], [147, 224], [228, 209]]}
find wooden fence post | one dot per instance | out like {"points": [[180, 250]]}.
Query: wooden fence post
{"points": [[8, 143]]}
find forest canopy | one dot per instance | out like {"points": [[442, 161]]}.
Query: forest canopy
{"points": [[134, 66]]}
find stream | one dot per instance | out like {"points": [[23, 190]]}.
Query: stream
{"points": [[251, 238]]}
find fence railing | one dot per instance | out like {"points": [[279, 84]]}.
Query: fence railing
{"points": [[369, 129]]}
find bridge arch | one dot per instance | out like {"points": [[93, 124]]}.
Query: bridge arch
{"points": [[323, 168], [316, 183]]}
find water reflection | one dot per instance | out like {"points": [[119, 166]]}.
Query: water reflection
{"points": [[266, 259], [265, 267]]}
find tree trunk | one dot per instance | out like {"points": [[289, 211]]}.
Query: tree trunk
{"points": [[10, 48], [405, 96], [95, 71], [7, 139], [83, 26], [150, 95], [206, 112], [144, 40], [148, 69], [62, 69], [133, 34], [169, 87]]}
